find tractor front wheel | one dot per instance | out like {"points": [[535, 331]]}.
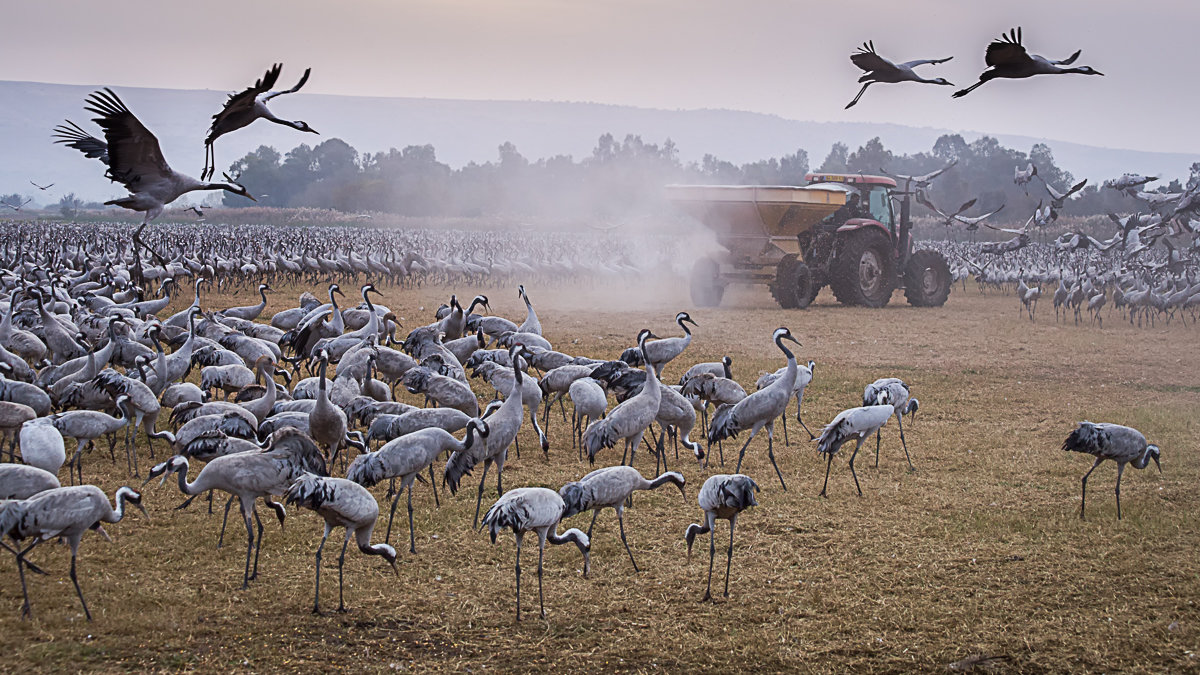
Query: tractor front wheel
{"points": [[793, 283], [706, 286]]}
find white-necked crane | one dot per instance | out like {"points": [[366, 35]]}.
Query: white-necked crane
{"points": [[135, 160], [534, 509], [1006, 58], [723, 496], [1123, 445], [880, 69], [630, 419], [242, 109], [857, 423]]}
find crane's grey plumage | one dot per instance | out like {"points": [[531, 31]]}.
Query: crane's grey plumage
{"points": [[531, 324], [880, 69], [249, 476], [611, 487], [406, 457], [250, 312], [1123, 445], [804, 376], [857, 423], [899, 396], [1007, 58], [662, 351], [65, 512], [327, 422], [760, 408], [630, 419], [722, 368], [42, 445], [341, 503], [85, 426], [534, 509], [723, 496], [21, 481], [589, 402]]}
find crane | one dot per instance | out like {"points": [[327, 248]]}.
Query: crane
{"points": [[1006, 58], [857, 423], [1123, 445], [880, 69], [723, 496]]}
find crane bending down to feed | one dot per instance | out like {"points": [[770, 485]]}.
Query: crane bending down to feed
{"points": [[899, 396], [880, 69], [1123, 445], [342, 503], [854, 423], [760, 408], [250, 105], [1007, 58], [724, 497], [135, 160], [534, 509]]}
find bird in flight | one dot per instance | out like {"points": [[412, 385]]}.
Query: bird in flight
{"points": [[1007, 58]]}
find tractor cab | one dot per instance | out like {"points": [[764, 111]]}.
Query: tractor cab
{"points": [[874, 193]]}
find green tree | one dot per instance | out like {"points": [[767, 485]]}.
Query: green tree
{"points": [[836, 160]]}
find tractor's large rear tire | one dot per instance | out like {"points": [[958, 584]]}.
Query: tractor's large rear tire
{"points": [[792, 288], [927, 279], [706, 286], [864, 272]]}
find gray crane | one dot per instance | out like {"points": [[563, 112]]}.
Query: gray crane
{"points": [[588, 402], [663, 351], [534, 509], [21, 481], [611, 487], [531, 324], [1123, 445], [900, 397], [804, 376], [341, 503], [723, 496], [630, 419], [42, 445], [250, 312], [65, 512], [12, 417], [405, 458], [880, 69], [327, 422], [243, 108], [85, 426], [1023, 177], [857, 423], [722, 368], [249, 476], [760, 408], [1006, 58]]}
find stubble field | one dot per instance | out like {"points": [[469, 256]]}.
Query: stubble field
{"points": [[979, 552]]}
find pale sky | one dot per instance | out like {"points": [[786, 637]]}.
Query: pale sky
{"points": [[784, 57]]}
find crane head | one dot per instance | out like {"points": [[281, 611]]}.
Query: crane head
{"points": [[1153, 451]]}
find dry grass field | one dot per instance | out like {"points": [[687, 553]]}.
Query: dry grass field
{"points": [[979, 552]]}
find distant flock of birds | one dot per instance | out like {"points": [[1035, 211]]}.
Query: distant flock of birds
{"points": [[81, 361]]}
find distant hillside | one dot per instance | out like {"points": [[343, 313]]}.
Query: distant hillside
{"points": [[463, 132]]}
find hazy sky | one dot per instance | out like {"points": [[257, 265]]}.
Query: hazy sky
{"points": [[784, 57]]}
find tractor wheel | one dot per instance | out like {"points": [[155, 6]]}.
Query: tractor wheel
{"points": [[707, 289], [927, 279], [864, 272], [793, 284]]}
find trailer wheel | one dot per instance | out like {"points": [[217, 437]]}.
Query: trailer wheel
{"points": [[864, 271], [927, 279], [793, 283], [706, 286]]}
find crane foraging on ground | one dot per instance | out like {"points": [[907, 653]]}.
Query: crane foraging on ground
{"points": [[760, 408], [900, 397], [857, 423], [534, 509], [880, 69], [611, 487], [342, 503], [1123, 445], [724, 497]]}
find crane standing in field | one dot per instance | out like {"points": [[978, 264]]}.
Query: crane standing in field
{"points": [[1007, 58], [760, 408], [857, 423], [610, 487], [630, 419], [534, 509], [880, 69], [723, 497], [250, 105], [1123, 445], [342, 503], [900, 397]]}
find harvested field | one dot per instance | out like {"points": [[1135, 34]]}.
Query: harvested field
{"points": [[979, 552]]}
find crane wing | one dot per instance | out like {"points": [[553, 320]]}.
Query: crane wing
{"points": [[303, 79], [133, 152], [867, 59], [923, 62], [1007, 50], [71, 135], [244, 100]]}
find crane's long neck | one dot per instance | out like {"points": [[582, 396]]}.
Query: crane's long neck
{"points": [[321, 393], [184, 486], [668, 477], [118, 513], [1144, 459]]}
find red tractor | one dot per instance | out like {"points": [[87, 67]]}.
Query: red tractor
{"points": [[840, 230]]}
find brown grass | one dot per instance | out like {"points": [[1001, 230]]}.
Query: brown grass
{"points": [[980, 552]]}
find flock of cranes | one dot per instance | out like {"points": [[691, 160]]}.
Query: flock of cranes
{"points": [[96, 368]]}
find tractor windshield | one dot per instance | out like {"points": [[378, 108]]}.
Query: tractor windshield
{"points": [[880, 206]]}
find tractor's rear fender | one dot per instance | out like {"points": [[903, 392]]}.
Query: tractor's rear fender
{"points": [[860, 223]]}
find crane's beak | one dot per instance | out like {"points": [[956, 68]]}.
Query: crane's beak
{"points": [[1157, 464]]}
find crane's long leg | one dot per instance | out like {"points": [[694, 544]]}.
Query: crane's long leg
{"points": [[860, 93], [712, 554], [771, 452], [224, 520], [519, 536], [786, 443], [317, 593], [621, 522], [258, 544], [1083, 497], [743, 452], [26, 608], [811, 436], [594, 515], [852, 473], [479, 498], [249, 542], [75, 580], [433, 483], [828, 463], [729, 557], [541, 597], [900, 422], [878, 433], [342, 565], [412, 537], [1120, 470], [387, 538]]}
